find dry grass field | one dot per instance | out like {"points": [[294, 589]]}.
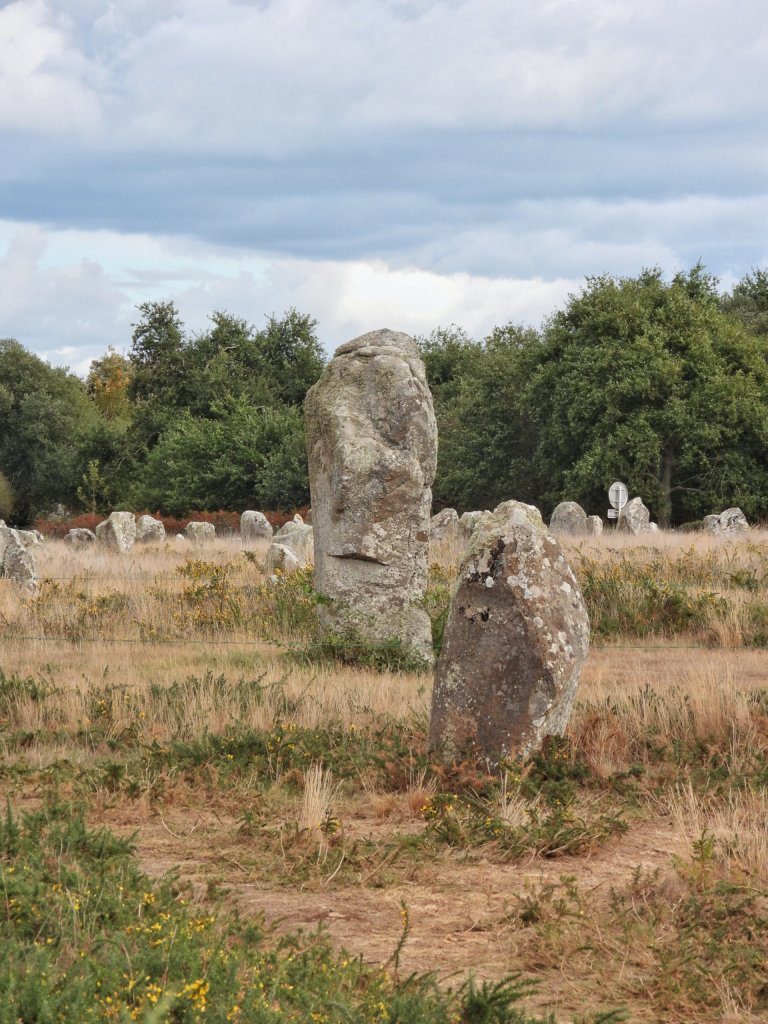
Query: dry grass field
{"points": [[178, 697]]}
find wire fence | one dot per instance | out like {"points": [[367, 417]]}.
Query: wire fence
{"points": [[310, 645]]}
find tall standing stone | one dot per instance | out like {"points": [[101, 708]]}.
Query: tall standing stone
{"points": [[372, 443], [515, 641]]}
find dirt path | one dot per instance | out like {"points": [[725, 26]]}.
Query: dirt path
{"points": [[460, 911]]}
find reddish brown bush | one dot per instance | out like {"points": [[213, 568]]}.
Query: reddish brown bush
{"points": [[225, 522]]}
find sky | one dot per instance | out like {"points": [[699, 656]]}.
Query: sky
{"points": [[376, 163]]}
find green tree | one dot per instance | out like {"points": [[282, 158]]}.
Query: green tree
{"points": [[232, 361], [108, 383], [195, 395], [484, 431], [748, 302], [93, 491], [250, 458], [650, 381], [46, 418], [291, 355]]}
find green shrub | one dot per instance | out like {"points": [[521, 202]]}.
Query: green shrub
{"points": [[6, 498], [625, 599], [348, 647]]}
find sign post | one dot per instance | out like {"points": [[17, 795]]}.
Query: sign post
{"points": [[617, 495]]}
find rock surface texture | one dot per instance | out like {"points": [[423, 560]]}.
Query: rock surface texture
{"points": [[289, 527], [634, 517], [30, 538], [17, 561], [149, 530], [80, 538], [372, 443], [118, 533], [255, 526], [514, 644], [200, 533], [732, 521], [568, 518]]}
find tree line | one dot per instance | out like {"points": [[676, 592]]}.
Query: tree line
{"points": [[663, 383]]}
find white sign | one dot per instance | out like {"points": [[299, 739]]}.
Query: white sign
{"points": [[613, 513], [617, 495]]}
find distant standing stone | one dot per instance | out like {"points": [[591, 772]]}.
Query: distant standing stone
{"points": [[301, 541], [118, 533], [568, 518], [149, 530], [288, 527], [594, 526], [634, 518], [200, 533], [372, 443], [255, 526], [469, 522], [17, 562], [444, 526], [516, 638], [280, 559], [732, 521], [80, 538]]}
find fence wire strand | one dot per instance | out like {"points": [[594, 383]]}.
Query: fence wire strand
{"points": [[249, 642]]}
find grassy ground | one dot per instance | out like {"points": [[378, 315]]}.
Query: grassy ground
{"points": [[255, 788]]}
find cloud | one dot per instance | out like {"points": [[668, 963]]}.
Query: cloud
{"points": [[71, 306], [286, 76], [70, 310], [43, 87], [430, 159]]}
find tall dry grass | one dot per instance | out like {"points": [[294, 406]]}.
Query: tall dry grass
{"points": [[736, 823], [700, 700]]}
